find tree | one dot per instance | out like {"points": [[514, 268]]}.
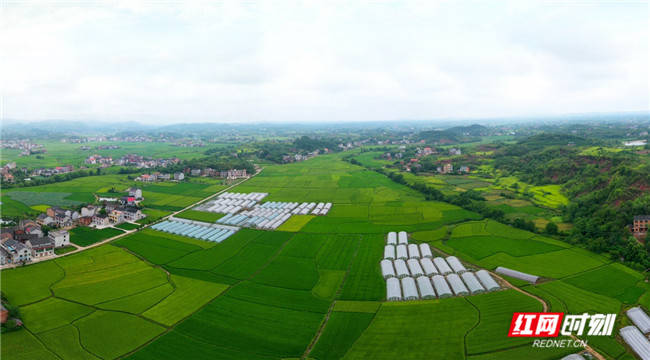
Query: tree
{"points": [[551, 228]]}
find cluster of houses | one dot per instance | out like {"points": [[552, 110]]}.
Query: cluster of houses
{"points": [[22, 243], [104, 161], [179, 176], [448, 168], [300, 157], [5, 171], [101, 138], [225, 174], [114, 211], [157, 176], [52, 171], [7, 176], [100, 147], [25, 145], [130, 160]]}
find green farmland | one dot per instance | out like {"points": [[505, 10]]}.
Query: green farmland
{"points": [[311, 290]]}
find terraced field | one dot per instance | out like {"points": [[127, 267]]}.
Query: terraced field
{"points": [[313, 289]]}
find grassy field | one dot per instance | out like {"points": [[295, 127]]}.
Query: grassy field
{"points": [[265, 295], [84, 236], [127, 226]]}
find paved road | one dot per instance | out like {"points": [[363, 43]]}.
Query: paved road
{"points": [[80, 248]]}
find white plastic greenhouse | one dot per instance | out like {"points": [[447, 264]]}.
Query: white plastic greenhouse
{"points": [[414, 267], [457, 285], [393, 290], [442, 266], [640, 319], [402, 238], [414, 251], [428, 267], [455, 264], [486, 279], [392, 238], [635, 339], [426, 289], [409, 289], [517, 274], [441, 286], [400, 268], [425, 251], [472, 283], [387, 270], [389, 252], [401, 252]]}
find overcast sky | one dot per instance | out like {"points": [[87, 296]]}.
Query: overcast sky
{"points": [[232, 61]]}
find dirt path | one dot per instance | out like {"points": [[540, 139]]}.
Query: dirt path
{"points": [[544, 304], [128, 232]]}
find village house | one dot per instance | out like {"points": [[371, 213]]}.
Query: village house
{"points": [[132, 213], [44, 219], [59, 238], [85, 220], [640, 224], [116, 216], [100, 220], [195, 172], [62, 221], [136, 193], [445, 168], [127, 200], [88, 211], [17, 251], [454, 151], [179, 176], [233, 174], [41, 247], [5, 258]]}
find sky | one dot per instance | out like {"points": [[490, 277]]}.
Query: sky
{"points": [[318, 61]]}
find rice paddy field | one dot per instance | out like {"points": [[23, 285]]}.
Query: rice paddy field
{"points": [[313, 289]]}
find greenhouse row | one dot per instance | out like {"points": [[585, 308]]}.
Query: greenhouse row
{"points": [[195, 229], [397, 238], [634, 335], [267, 219], [437, 265], [312, 208], [517, 274], [226, 206], [423, 287], [637, 341], [243, 196]]}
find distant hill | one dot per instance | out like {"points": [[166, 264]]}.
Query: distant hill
{"points": [[453, 134]]}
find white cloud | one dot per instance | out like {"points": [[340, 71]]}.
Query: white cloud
{"points": [[315, 61]]}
